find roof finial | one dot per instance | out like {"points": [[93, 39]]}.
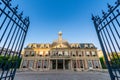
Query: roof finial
{"points": [[60, 35]]}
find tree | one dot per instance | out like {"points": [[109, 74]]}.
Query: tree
{"points": [[103, 64]]}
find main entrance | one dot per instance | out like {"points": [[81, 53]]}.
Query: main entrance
{"points": [[60, 64]]}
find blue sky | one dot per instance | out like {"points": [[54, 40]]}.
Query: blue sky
{"points": [[72, 17]]}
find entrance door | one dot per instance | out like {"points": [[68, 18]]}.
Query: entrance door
{"points": [[53, 64], [66, 64], [60, 64]]}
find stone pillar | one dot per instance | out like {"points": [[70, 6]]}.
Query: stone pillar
{"points": [[49, 65], [63, 64], [21, 65], [76, 64], [35, 64], [86, 64], [56, 64], [71, 64]]}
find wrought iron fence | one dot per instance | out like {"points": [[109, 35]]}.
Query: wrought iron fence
{"points": [[108, 32], [13, 29]]}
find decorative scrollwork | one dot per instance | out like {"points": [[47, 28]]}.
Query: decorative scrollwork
{"points": [[15, 9], [110, 8], [8, 2], [104, 14], [21, 14]]}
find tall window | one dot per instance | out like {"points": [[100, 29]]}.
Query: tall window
{"points": [[41, 53], [74, 63], [90, 65], [27, 53], [32, 53], [39, 64], [25, 63], [31, 63], [60, 53], [45, 64], [96, 63], [81, 64], [87, 53], [93, 53]]}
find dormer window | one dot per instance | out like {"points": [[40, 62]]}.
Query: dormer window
{"points": [[86, 46], [47, 45], [91, 45], [42, 46]]}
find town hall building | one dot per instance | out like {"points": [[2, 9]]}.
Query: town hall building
{"points": [[60, 55]]}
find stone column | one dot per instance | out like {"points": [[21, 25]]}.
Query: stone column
{"points": [[71, 64], [86, 64], [76, 64], [35, 64], [63, 64], [21, 65], [56, 64], [49, 65]]}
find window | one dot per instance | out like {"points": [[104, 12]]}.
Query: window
{"points": [[24, 65], [93, 53], [66, 53], [41, 53], [60, 53], [73, 53], [32, 53], [27, 53], [86, 46], [46, 53], [90, 65], [79, 54], [39, 64], [81, 64], [87, 53], [91, 45], [31, 63], [96, 63], [45, 64], [74, 63]]}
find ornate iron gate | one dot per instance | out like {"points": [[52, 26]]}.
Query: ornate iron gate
{"points": [[108, 31], [13, 29]]}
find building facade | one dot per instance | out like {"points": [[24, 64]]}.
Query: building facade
{"points": [[60, 55]]}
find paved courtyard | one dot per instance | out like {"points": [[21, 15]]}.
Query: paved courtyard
{"points": [[62, 75]]}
